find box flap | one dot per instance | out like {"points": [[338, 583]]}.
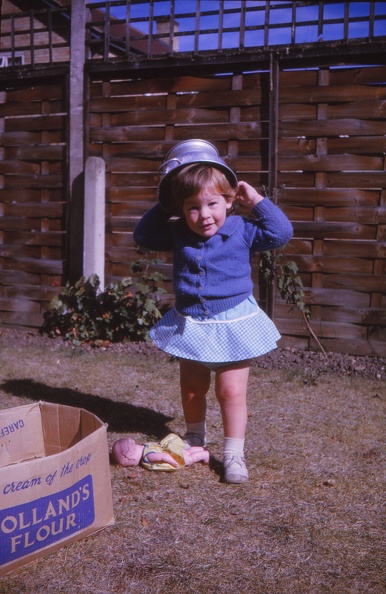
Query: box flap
{"points": [[89, 423], [64, 426], [21, 435], [61, 427]]}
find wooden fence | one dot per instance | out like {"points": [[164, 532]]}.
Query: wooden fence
{"points": [[330, 178], [312, 132], [32, 200], [330, 181]]}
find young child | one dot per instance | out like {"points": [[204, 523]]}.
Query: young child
{"points": [[216, 324]]}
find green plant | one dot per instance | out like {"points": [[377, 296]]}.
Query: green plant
{"points": [[284, 273], [125, 310], [275, 268]]}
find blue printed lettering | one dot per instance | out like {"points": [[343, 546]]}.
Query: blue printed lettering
{"points": [[35, 525], [4, 431], [21, 485], [83, 461]]}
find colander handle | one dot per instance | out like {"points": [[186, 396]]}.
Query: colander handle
{"points": [[164, 169]]}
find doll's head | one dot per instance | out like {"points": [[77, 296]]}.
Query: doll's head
{"points": [[194, 178], [126, 452]]}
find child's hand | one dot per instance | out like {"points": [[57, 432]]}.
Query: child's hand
{"points": [[247, 196]]}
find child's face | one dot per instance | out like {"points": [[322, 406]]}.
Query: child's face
{"points": [[205, 212]]}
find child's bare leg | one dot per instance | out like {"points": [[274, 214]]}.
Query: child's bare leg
{"points": [[195, 383], [231, 392]]}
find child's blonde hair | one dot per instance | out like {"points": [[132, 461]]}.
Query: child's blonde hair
{"points": [[193, 178]]}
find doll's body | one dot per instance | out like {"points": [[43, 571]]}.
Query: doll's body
{"points": [[169, 454]]}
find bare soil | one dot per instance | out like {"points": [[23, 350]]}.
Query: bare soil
{"points": [[311, 519], [307, 362]]}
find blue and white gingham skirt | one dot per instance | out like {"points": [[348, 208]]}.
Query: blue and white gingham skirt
{"points": [[243, 332]]}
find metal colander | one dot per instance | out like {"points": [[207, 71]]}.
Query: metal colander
{"points": [[187, 152]]}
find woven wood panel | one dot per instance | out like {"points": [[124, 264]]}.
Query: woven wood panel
{"points": [[331, 179], [32, 201], [331, 183]]}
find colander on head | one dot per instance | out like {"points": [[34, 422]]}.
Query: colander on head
{"points": [[185, 153]]}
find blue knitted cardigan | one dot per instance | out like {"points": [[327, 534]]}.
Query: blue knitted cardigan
{"points": [[213, 274]]}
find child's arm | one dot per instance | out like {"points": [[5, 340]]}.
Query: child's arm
{"points": [[271, 229], [153, 232], [247, 196]]}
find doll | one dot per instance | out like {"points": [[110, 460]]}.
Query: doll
{"points": [[170, 454]]}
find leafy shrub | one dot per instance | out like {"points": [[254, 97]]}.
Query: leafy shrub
{"points": [[275, 268], [284, 273], [125, 310]]}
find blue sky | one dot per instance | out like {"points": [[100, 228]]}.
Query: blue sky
{"points": [[281, 14]]}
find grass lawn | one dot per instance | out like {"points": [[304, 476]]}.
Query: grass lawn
{"points": [[311, 519]]}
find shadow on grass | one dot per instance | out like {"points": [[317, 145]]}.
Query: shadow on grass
{"points": [[120, 416]]}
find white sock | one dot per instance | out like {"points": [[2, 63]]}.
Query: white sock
{"points": [[233, 446], [199, 428]]}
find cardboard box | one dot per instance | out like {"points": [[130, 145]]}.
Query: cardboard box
{"points": [[55, 484]]}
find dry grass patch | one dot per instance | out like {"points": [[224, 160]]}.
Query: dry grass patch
{"points": [[310, 520]]}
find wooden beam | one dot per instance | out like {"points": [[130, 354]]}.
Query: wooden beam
{"points": [[76, 141], [272, 157]]}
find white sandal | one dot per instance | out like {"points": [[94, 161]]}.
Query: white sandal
{"points": [[235, 469], [194, 439]]}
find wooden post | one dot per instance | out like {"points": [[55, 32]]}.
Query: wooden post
{"points": [[273, 126], [272, 157], [94, 219], [76, 141]]}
